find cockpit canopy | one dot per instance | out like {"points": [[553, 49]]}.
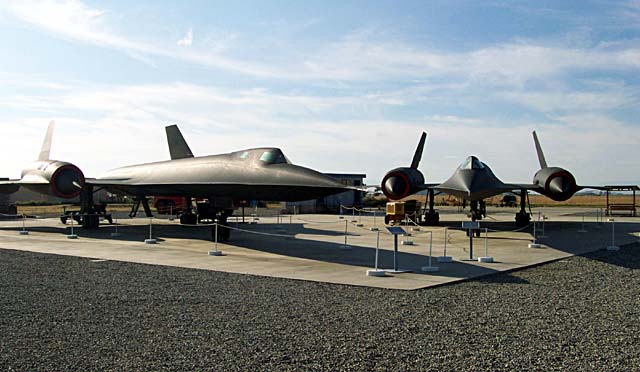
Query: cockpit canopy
{"points": [[262, 156], [471, 162]]}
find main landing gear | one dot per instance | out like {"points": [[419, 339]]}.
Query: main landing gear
{"points": [[209, 212], [478, 211], [90, 214], [430, 216], [522, 217]]}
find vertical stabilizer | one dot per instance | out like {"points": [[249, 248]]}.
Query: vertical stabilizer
{"points": [[178, 148], [541, 159], [418, 154], [46, 145]]}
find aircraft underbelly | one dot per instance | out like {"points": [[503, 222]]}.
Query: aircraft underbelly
{"points": [[233, 191]]}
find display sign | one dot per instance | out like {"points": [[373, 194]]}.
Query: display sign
{"points": [[470, 224], [396, 230]]}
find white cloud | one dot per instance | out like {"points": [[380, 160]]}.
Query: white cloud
{"points": [[72, 19], [362, 55], [549, 102], [187, 40]]}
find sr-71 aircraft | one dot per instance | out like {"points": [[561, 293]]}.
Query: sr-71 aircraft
{"points": [[251, 174], [474, 181]]}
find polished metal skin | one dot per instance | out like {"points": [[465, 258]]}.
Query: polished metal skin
{"points": [[252, 174]]}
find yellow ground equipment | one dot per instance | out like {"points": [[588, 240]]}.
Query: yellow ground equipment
{"points": [[397, 211]]}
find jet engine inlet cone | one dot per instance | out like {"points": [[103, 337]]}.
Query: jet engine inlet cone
{"points": [[395, 185], [560, 185]]}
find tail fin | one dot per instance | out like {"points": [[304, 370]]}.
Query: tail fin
{"points": [[541, 159], [178, 147], [418, 154], [46, 145]]}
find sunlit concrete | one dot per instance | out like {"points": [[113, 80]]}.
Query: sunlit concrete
{"points": [[311, 246]]}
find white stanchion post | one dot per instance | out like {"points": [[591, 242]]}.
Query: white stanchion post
{"points": [[444, 258], [407, 240], [375, 227], [171, 213], [582, 230], [359, 224], [72, 235], [24, 225], [544, 220], [116, 233], [613, 246], [346, 246], [377, 248], [430, 268], [215, 251], [534, 244], [486, 258], [151, 240], [376, 271]]}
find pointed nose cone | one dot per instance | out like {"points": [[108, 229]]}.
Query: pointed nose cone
{"points": [[473, 180], [560, 185]]}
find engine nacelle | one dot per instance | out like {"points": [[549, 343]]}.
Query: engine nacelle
{"points": [[556, 183], [57, 178], [401, 182]]}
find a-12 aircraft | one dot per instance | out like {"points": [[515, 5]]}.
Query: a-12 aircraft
{"points": [[251, 174], [474, 181]]}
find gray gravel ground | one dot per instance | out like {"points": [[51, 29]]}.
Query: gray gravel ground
{"points": [[71, 314]]}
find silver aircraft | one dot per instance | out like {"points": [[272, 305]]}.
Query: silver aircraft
{"points": [[474, 181], [251, 174]]}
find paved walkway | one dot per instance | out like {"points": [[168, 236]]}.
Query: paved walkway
{"points": [[311, 247]]}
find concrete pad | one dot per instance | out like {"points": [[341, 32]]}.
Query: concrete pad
{"points": [[315, 251]]}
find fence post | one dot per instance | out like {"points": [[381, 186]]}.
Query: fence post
{"points": [[444, 258], [430, 268], [151, 240], [346, 246], [215, 251]]}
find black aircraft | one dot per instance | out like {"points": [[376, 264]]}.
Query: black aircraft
{"points": [[473, 181]]}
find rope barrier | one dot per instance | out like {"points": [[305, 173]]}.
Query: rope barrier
{"points": [[319, 222], [236, 229]]}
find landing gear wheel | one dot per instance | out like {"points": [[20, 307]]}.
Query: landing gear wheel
{"points": [[90, 221], [188, 219], [522, 219], [431, 219]]}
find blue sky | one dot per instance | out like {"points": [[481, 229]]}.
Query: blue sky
{"points": [[340, 86]]}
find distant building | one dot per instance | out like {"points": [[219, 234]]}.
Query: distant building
{"points": [[5, 205], [332, 203]]}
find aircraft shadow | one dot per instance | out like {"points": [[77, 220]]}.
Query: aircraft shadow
{"points": [[361, 256], [562, 236]]}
